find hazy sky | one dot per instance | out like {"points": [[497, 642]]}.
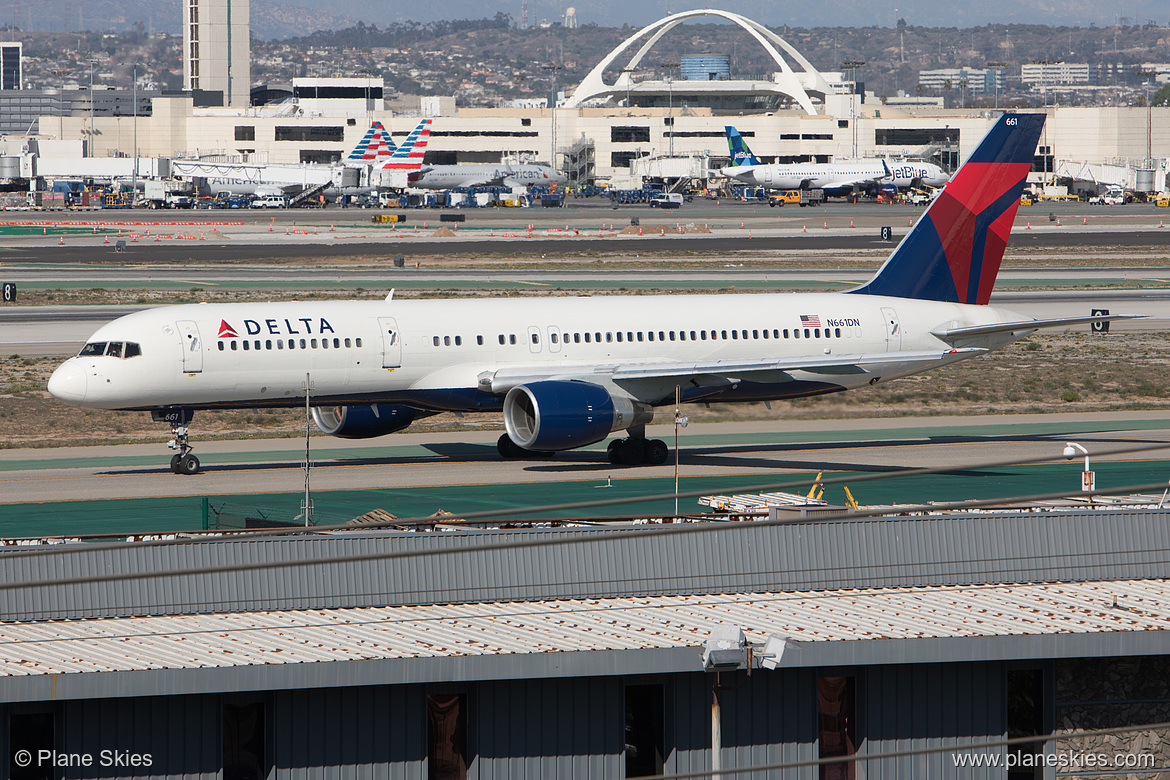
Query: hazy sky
{"points": [[57, 15], [849, 13]]}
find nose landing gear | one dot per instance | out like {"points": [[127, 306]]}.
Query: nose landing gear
{"points": [[183, 462]]}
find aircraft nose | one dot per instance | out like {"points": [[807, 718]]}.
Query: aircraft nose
{"points": [[68, 382]]}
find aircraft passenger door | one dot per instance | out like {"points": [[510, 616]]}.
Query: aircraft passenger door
{"points": [[533, 339], [192, 346], [391, 342], [769, 175], [554, 339], [893, 329]]}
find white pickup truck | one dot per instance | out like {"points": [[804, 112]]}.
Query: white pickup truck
{"points": [[1111, 197]]}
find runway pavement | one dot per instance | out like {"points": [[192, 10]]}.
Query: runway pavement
{"points": [[448, 467], [587, 227]]}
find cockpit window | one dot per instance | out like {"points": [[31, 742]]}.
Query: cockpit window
{"points": [[118, 349]]}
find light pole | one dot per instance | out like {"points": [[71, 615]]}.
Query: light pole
{"points": [[91, 64], [670, 66], [552, 106], [134, 175], [1088, 478], [996, 66], [847, 66]]}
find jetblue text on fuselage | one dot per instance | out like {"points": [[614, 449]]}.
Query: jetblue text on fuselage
{"points": [[910, 172], [294, 327]]}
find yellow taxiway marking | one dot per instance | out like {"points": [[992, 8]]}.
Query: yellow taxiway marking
{"points": [[192, 281], [521, 281]]}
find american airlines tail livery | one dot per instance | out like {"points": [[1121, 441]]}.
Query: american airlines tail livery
{"points": [[375, 146], [836, 178], [568, 372]]}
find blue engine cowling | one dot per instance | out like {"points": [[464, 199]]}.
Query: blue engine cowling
{"points": [[363, 422], [561, 415]]}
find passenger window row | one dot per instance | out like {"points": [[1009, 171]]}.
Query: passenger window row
{"points": [[267, 344], [628, 336]]}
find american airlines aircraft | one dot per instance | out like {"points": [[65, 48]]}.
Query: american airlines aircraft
{"points": [[449, 177], [837, 178], [374, 149], [568, 372]]}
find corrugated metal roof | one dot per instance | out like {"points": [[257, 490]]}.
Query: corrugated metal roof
{"points": [[897, 552], [632, 623]]}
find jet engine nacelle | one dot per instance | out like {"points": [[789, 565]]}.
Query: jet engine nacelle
{"points": [[561, 415], [363, 422]]}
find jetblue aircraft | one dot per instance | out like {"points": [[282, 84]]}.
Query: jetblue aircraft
{"points": [[568, 372], [838, 178]]}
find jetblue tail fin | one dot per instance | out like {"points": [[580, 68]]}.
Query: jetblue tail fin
{"points": [[375, 146], [409, 156], [954, 251], [740, 153]]}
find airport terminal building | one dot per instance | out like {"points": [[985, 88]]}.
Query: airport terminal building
{"points": [[596, 134], [882, 648]]}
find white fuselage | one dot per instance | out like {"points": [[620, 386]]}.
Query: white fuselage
{"points": [[837, 176], [449, 177], [464, 355]]}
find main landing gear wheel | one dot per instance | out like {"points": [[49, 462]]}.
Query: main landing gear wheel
{"points": [[510, 450], [188, 464], [636, 451]]}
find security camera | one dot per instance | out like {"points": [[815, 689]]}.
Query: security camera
{"points": [[1069, 452]]}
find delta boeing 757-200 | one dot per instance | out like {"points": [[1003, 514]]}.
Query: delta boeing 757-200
{"points": [[568, 372]]}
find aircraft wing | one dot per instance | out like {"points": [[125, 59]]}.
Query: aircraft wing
{"points": [[879, 363], [851, 181], [1007, 327]]}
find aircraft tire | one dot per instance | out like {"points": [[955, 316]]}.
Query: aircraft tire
{"points": [[656, 452], [189, 465], [613, 451], [507, 448], [633, 451], [175, 460]]}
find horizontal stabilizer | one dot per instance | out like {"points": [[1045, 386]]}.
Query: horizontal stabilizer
{"points": [[1007, 327]]}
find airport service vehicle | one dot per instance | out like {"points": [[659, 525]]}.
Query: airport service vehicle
{"points": [[269, 202], [1114, 196], [837, 178], [667, 200], [566, 372], [783, 197], [159, 196]]}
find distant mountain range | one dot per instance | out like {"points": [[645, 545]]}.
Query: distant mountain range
{"points": [[276, 19]]}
